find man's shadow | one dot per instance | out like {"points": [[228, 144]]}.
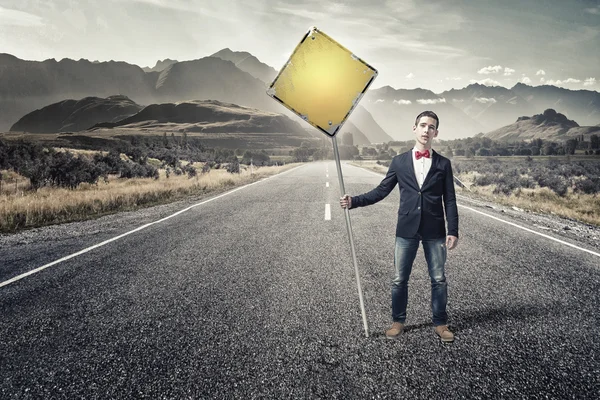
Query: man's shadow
{"points": [[466, 319]]}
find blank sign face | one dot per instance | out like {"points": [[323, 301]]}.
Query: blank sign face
{"points": [[322, 82]]}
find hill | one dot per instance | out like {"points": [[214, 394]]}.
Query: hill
{"points": [[548, 125], [207, 116], [76, 115]]}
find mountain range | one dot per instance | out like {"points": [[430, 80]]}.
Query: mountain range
{"points": [[240, 78]]}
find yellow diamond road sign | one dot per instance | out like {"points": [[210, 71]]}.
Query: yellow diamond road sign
{"points": [[322, 82]]}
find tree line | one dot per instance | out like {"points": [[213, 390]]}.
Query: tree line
{"points": [[45, 166]]}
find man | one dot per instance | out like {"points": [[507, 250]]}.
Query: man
{"points": [[426, 185]]}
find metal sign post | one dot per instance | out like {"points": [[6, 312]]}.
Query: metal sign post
{"points": [[349, 229], [322, 83]]}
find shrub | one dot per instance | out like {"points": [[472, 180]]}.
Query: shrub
{"points": [[588, 186], [133, 170], [556, 183], [190, 170], [483, 180], [233, 167], [527, 182]]}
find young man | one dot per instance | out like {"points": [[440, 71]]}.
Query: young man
{"points": [[426, 185]]}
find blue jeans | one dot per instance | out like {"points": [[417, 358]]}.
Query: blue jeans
{"points": [[404, 256]]}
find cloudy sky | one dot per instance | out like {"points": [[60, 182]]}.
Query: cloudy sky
{"points": [[436, 45]]}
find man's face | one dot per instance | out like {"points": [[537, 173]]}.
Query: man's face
{"points": [[425, 131]]}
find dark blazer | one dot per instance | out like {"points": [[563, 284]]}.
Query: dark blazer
{"points": [[421, 210]]}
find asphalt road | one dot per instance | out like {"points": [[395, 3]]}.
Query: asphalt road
{"points": [[253, 295]]}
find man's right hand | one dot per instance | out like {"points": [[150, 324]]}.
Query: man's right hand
{"points": [[346, 201]]}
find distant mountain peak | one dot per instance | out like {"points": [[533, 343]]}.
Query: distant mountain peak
{"points": [[248, 63], [550, 116], [521, 85], [235, 57]]}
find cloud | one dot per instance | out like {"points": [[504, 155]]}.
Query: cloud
{"points": [[589, 82], [485, 100], [302, 13], [379, 101], [410, 76], [508, 71], [487, 82], [188, 7], [402, 102], [431, 101], [525, 80], [593, 10], [566, 81], [9, 17], [542, 80], [490, 70], [392, 27], [540, 72]]}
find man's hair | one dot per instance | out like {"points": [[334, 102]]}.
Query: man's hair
{"points": [[428, 114]]}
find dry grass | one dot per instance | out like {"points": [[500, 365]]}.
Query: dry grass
{"points": [[580, 207], [372, 165], [51, 205]]}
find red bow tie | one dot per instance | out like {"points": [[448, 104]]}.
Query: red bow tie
{"points": [[419, 154]]}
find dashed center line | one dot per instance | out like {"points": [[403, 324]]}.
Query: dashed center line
{"points": [[327, 212], [327, 184]]}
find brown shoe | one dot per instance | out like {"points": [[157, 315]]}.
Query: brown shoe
{"points": [[444, 333], [395, 331]]}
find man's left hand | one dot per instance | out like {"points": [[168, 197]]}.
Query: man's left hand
{"points": [[451, 242]]}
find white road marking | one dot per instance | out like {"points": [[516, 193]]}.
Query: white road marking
{"points": [[327, 184], [327, 212], [326, 175], [532, 231], [19, 277], [509, 223]]}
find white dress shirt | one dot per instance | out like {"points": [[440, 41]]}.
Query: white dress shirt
{"points": [[422, 166]]}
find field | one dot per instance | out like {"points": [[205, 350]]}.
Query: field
{"points": [[21, 208]]}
